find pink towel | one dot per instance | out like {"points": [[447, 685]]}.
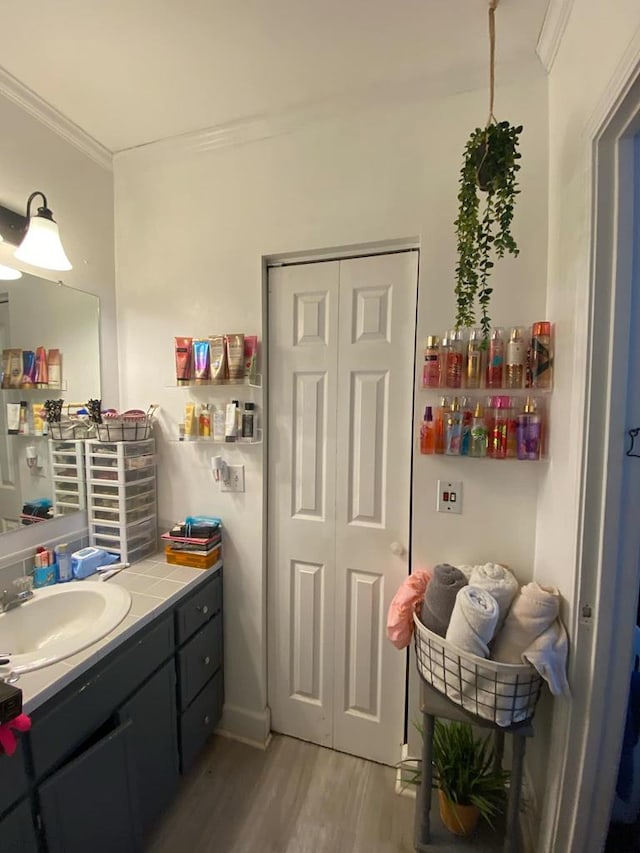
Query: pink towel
{"points": [[400, 615], [534, 609]]}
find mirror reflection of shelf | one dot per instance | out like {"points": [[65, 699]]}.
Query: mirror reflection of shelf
{"points": [[33, 390], [209, 383]]}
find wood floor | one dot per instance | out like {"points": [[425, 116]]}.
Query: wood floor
{"points": [[292, 798]]}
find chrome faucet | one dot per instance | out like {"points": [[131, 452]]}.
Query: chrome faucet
{"points": [[17, 595]]}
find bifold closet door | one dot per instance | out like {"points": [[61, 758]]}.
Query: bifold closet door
{"points": [[303, 360], [341, 356]]}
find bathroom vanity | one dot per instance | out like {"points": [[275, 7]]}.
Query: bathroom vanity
{"points": [[106, 750]]}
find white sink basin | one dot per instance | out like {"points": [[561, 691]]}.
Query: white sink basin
{"points": [[60, 621]]}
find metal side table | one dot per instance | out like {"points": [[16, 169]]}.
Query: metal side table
{"points": [[433, 704]]}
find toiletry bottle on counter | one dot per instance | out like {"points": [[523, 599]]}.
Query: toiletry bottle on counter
{"points": [[204, 422], [529, 432], [427, 432], [63, 559], [454, 429], [478, 443], [431, 367]]}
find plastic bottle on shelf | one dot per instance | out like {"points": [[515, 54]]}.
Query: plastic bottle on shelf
{"points": [[466, 408], [478, 441], [529, 434], [204, 422], [431, 367], [541, 364], [499, 424], [512, 429], [440, 424], [515, 358], [473, 372], [495, 359], [427, 432], [453, 439], [454, 359]]}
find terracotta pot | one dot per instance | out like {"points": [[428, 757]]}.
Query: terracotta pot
{"points": [[460, 820]]}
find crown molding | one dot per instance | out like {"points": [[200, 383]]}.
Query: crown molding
{"points": [[298, 117], [553, 29], [33, 104]]}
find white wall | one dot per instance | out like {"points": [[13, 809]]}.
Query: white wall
{"points": [[80, 193], [593, 46], [192, 227]]}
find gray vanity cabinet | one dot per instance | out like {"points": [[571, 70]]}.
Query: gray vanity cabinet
{"points": [[17, 834], [90, 804], [154, 745]]}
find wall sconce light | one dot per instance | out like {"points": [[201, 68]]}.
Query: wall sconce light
{"points": [[36, 236]]}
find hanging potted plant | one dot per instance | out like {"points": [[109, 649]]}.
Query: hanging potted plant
{"points": [[487, 194], [470, 785]]}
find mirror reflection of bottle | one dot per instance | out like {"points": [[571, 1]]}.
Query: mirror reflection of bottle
{"points": [[529, 432], [454, 429], [478, 440]]}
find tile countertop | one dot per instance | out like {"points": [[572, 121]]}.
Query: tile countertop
{"points": [[154, 587]]}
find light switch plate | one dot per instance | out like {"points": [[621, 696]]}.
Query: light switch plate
{"points": [[235, 480], [449, 496]]}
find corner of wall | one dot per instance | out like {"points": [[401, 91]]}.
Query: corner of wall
{"points": [[253, 727]]}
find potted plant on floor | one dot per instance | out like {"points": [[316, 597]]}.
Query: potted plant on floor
{"points": [[470, 785]]}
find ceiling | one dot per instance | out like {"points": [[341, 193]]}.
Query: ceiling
{"points": [[129, 72]]}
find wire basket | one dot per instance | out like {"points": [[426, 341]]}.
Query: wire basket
{"points": [[71, 429], [503, 693], [126, 427]]}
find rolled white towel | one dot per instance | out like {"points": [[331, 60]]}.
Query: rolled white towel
{"points": [[500, 582], [548, 654], [533, 610], [473, 621]]}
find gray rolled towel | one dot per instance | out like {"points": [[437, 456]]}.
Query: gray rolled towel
{"points": [[440, 596]]}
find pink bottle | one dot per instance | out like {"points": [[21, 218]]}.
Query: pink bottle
{"points": [[498, 434]]}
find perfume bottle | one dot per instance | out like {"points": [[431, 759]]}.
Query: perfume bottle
{"points": [[515, 359], [479, 434], [431, 367], [495, 360], [454, 429], [427, 432], [441, 424], [529, 432], [466, 409], [473, 372], [499, 426], [541, 356], [454, 359]]}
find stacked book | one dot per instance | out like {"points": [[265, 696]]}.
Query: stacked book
{"points": [[196, 545]]}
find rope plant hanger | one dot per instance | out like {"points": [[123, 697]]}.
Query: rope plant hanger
{"points": [[483, 229]]}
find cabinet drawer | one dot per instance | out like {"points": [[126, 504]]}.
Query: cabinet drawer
{"points": [[199, 721], [192, 615], [199, 659], [13, 778], [92, 698]]}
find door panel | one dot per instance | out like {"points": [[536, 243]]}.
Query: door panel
{"points": [[341, 350], [373, 488], [303, 356]]}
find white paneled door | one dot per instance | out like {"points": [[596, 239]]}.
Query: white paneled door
{"points": [[341, 367]]}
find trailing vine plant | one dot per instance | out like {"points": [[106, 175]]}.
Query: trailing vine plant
{"points": [[490, 166]]}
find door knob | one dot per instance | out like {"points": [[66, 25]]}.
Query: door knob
{"points": [[398, 549]]}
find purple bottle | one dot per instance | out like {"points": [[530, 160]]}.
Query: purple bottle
{"points": [[529, 432]]}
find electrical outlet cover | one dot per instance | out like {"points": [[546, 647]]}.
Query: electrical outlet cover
{"points": [[449, 496], [235, 481]]}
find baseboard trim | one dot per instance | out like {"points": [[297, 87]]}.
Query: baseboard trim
{"points": [[252, 727]]}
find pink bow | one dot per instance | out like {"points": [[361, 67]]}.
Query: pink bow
{"points": [[8, 741]]}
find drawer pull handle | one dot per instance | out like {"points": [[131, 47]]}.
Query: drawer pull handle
{"points": [[207, 660], [207, 720], [202, 608]]}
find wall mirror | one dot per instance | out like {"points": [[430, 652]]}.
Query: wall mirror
{"points": [[34, 470]]}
